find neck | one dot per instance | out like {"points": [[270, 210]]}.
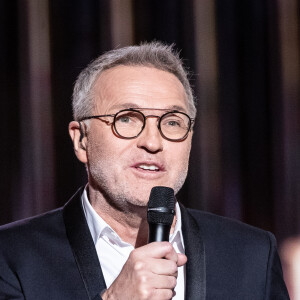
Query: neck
{"points": [[130, 222]]}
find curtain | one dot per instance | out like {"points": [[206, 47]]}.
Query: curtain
{"points": [[244, 60]]}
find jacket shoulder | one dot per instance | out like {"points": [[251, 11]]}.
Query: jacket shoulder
{"points": [[226, 229], [242, 261], [32, 227]]}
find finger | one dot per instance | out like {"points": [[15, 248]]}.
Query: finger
{"points": [[181, 260], [163, 294], [163, 282], [171, 254], [164, 267], [158, 250]]}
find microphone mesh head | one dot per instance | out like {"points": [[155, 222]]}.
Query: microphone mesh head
{"points": [[161, 197]]}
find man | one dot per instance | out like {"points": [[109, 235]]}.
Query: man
{"points": [[134, 113]]}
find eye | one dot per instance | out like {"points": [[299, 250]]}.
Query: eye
{"points": [[131, 118], [124, 119], [172, 123]]}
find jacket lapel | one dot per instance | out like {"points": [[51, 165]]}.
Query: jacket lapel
{"points": [[87, 260], [194, 250], [83, 246]]}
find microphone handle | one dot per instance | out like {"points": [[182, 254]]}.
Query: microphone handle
{"points": [[158, 232]]}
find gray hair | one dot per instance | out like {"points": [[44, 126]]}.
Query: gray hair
{"points": [[154, 54]]}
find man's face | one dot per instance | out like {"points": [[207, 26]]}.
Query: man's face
{"points": [[124, 171]]}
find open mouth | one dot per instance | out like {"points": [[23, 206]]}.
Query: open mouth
{"points": [[145, 167], [149, 170]]}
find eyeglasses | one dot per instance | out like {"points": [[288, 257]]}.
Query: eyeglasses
{"points": [[129, 123]]}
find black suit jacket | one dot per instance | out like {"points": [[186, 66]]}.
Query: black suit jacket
{"points": [[52, 256]]}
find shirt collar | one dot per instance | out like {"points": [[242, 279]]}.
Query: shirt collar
{"points": [[99, 227], [96, 224], [177, 230]]}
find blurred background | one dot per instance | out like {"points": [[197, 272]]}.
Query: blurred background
{"points": [[244, 56]]}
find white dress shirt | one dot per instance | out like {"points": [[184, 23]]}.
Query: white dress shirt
{"points": [[113, 252]]}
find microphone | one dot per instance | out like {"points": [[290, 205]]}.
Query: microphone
{"points": [[160, 214]]}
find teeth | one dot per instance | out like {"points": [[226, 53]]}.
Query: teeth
{"points": [[151, 168]]}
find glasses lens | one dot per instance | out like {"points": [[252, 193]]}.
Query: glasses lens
{"points": [[175, 125], [128, 123]]}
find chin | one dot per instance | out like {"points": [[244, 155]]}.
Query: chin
{"points": [[139, 198]]}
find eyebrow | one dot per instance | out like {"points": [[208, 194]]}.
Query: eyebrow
{"points": [[133, 105]]}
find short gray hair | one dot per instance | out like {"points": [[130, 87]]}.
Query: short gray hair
{"points": [[154, 54]]}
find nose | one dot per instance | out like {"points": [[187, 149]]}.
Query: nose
{"points": [[150, 139]]}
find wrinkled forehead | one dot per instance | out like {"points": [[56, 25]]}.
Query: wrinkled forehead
{"points": [[137, 87]]}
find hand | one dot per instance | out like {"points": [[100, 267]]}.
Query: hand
{"points": [[149, 273]]}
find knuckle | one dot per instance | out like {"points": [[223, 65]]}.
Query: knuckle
{"points": [[138, 266], [142, 288], [144, 293], [172, 282], [167, 294], [174, 267], [143, 279], [168, 246]]}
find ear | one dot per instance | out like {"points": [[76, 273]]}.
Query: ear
{"points": [[79, 140]]}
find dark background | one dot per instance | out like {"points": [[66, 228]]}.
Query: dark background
{"points": [[244, 56]]}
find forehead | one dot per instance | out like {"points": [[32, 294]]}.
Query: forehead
{"points": [[121, 86]]}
